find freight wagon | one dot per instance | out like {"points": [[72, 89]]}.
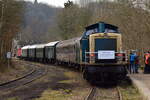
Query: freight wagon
{"points": [[32, 52], [25, 52], [50, 52]]}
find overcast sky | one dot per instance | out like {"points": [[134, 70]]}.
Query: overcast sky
{"points": [[53, 2]]}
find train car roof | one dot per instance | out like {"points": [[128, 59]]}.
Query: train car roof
{"points": [[40, 45], [32, 47], [51, 44], [26, 47], [68, 42]]}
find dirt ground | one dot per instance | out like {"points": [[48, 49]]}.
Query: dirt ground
{"points": [[63, 83], [17, 70], [129, 91], [59, 84]]}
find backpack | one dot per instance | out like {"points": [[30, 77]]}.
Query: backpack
{"points": [[132, 57]]}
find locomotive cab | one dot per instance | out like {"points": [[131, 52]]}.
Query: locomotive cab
{"points": [[105, 48]]}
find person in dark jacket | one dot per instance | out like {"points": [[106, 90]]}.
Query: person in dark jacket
{"points": [[132, 62], [137, 64]]}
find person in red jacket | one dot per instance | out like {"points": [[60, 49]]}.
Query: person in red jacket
{"points": [[147, 62]]}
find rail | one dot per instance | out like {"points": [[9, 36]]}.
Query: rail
{"points": [[91, 94], [22, 81], [119, 94], [94, 94]]}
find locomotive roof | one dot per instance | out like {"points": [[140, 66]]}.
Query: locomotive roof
{"points": [[100, 25], [52, 43], [25, 47], [32, 46]]}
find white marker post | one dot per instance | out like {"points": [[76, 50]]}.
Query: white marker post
{"points": [[8, 57]]}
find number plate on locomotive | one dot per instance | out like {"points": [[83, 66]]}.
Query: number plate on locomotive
{"points": [[106, 54]]}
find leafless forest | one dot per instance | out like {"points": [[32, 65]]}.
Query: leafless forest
{"points": [[10, 21], [132, 19], [31, 23], [134, 22]]}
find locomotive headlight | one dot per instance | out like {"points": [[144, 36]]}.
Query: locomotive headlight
{"points": [[92, 55]]}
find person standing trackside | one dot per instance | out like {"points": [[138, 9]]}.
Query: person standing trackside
{"points": [[137, 64], [147, 62], [132, 62]]}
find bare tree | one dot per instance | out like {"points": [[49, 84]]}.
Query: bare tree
{"points": [[11, 14], [134, 22]]}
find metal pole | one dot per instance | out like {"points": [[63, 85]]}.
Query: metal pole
{"points": [[1, 23], [8, 63]]}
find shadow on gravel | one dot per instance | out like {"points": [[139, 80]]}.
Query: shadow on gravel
{"points": [[125, 83], [109, 84], [104, 85]]}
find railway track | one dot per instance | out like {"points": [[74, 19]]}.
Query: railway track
{"points": [[27, 74], [104, 94], [91, 94], [35, 74]]}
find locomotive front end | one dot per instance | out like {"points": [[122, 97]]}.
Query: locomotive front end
{"points": [[104, 58], [105, 49]]}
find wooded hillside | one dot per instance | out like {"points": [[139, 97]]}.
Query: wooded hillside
{"points": [[134, 22], [38, 20]]}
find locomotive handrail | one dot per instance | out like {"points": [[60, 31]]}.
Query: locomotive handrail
{"points": [[91, 52], [97, 52], [87, 56]]}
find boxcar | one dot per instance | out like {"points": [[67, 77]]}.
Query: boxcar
{"points": [[32, 52], [50, 52], [25, 52], [40, 52]]}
